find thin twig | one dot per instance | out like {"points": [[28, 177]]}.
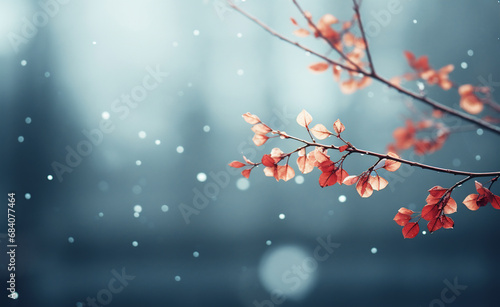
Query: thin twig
{"points": [[309, 21], [436, 105], [362, 29], [403, 161], [276, 34]]}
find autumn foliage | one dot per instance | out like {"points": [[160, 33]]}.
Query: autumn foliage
{"points": [[354, 70], [439, 203]]}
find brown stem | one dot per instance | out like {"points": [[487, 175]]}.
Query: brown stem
{"points": [[309, 21], [403, 161], [362, 29], [436, 105], [276, 34]]}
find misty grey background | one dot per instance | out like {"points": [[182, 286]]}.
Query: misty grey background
{"points": [[214, 77]]}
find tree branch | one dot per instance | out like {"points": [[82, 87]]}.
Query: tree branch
{"points": [[436, 105], [385, 156]]}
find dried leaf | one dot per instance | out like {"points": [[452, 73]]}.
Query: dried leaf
{"points": [[411, 230], [318, 67], [259, 139], [338, 127], [391, 165], [304, 118], [236, 164], [250, 118], [320, 132]]}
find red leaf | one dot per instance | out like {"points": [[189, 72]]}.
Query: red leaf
{"points": [[294, 21], [434, 224], [259, 139], [495, 201], [363, 187], [391, 165], [236, 164], [246, 173], [402, 219], [341, 175], [250, 118], [479, 187], [268, 161], [327, 179], [304, 118], [320, 132], [430, 212], [342, 148], [338, 126], [411, 230], [327, 166], [437, 191], [448, 223], [318, 67], [261, 129]]}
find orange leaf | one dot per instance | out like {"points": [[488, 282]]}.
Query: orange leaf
{"points": [[377, 182], [294, 21], [305, 165], [285, 172], [327, 179], [338, 126], [350, 180], [341, 175], [261, 129], [236, 164], [250, 118], [304, 118], [348, 87], [320, 155], [471, 202], [434, 224], [451, 206], [270, 171], [318, 67], [364, 188], [277, 153], [320, 132], [259, 139], [468, 99], [411, 230], [391, 165], [403, 210], [402, 219], [247, 161], [348, 39], [301, 32], [246, 173]]}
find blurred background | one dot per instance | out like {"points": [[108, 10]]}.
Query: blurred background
{"points": [[119, 119]]}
